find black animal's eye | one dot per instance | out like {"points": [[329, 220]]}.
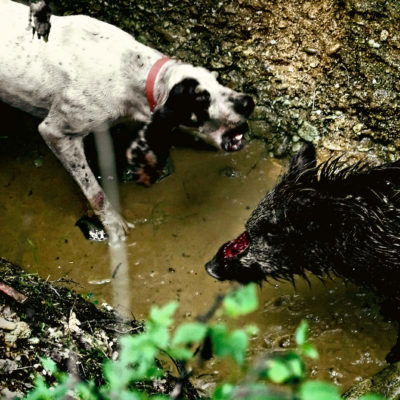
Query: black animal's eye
{"points": [[269, 229]]}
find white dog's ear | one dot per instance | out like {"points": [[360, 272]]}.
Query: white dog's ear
{"points": [[215, 74]]}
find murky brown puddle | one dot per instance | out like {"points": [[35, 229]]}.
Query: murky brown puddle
{"points": [[180, 223]]}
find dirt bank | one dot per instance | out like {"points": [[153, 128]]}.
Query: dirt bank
{"points": [[45, 319]]}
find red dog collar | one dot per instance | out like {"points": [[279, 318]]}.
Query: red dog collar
{"points": [[151, 80]]}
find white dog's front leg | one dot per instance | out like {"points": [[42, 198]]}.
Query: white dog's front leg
{"points": [[70, 151]]}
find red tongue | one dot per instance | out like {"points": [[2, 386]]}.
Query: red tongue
{"points": [[236, 246]]}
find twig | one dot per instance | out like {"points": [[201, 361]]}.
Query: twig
{"points": [[9, 291], [52, 288], [108, 328], [209, 314], [180, 365], [114, 274]]}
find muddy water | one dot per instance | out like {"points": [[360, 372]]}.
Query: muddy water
{"points": [[180, 223]]}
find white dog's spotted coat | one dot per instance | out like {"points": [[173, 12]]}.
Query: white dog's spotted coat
{"points": [[91, 73]]}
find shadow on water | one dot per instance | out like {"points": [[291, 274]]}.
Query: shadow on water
{"points": [[180, 223]]}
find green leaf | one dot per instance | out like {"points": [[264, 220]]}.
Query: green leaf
{"points": [[49, 365], [278, 371], [242, 301], [255, 391], [40, 392], [251, 330], [239, 341], [296, 366], [189, 332], [85, 391], [232, 344], [314, 390], [223, 392], [371, 396], [137, 349], [163, 316], [179, 353], [117, 375], [302, 333], [309, 350], [288, 368], [130, 394], [157, 334]]}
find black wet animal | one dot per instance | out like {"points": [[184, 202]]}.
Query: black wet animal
{"points": [[327, 220]]}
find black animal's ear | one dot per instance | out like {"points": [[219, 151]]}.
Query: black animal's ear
{"points": [[303, 160]]}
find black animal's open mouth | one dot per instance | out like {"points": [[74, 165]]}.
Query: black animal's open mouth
{"points": [[218, 268], [233, 139], [235, 247]]}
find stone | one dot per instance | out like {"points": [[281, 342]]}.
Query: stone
{"points": [[308, 132]]}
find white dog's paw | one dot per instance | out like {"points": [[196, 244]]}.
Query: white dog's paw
{"points": [[117, 228], [131, 225]]}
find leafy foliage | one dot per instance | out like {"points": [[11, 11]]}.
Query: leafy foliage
{"points": [[242, 301], [137, 362]]}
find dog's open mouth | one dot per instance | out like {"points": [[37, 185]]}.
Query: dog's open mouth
{"points": [[218, 268], [233, 139], [235, 247]]}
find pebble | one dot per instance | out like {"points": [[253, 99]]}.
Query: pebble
{"points": [[333, 49], [373, 44], [7, 325], [34, 340], [99, 281], [331, 146], [282, 24], [295, 138], [384, 35], [357, 128], [296, 147], [310, 50], [21, 331]]}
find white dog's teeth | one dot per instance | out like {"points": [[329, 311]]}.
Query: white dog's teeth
{"points": [[193, 117], [239, 136]]}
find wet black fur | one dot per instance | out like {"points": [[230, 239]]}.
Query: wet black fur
{"points": [[326, 219]]}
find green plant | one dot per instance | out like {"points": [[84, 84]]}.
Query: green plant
{"points": [[138, 354]]}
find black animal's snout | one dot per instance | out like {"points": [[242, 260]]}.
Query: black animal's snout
{"points": [[214, 270], [243, 105]]}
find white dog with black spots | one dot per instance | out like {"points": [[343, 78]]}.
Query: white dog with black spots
{"points": [[90, 74]]}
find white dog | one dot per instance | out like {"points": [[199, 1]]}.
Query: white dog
{"points": [[90, 73]]}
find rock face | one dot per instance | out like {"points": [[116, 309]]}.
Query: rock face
{"points": [[385, 383], [325, 71]]}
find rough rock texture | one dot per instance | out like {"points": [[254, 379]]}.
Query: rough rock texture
{"points": [[385, 383], [325, 71]]}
